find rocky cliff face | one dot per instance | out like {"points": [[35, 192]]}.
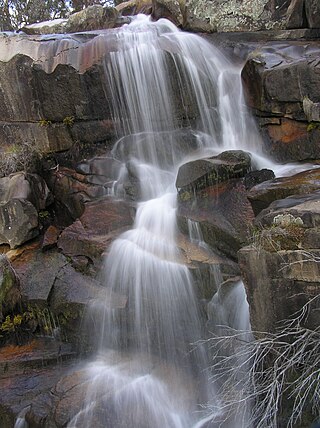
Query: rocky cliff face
{"points": [[55, 104]]}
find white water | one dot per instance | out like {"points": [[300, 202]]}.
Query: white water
{"points": [[146, 373]]}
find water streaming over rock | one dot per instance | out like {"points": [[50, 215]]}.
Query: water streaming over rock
{"points": [[147, 372]]}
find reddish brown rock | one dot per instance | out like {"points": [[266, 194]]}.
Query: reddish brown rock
{"points": [[101, 221], [50, 237], [292, 140]]}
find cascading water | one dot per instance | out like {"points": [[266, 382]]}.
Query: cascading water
{"points": [[147, 372]]}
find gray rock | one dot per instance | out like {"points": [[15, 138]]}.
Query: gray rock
{"points": [[249, 15], [92, 18], [30, 187], [18, 222]]}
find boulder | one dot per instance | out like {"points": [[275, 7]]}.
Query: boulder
{"points": [[55, 26], [248, 15], [30, 187], [263, 194], [94, 17], [199, 174], [18, 222], [10, 296]]}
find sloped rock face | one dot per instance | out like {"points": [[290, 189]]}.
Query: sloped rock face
{"points": [[279, 79]]}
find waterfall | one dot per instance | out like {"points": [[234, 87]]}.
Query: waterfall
{"points": [[147, 371]]}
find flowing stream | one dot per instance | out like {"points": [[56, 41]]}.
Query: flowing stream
{"points": [[147, 371]]}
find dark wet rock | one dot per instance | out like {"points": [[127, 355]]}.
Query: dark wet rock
{"points": [[224, 214], [92, 233], [256, 177], [262, 195], [279, 284], [18, 222], [312, 9], [296, 17], [30, 187], [10, 295], [197, 175]]}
